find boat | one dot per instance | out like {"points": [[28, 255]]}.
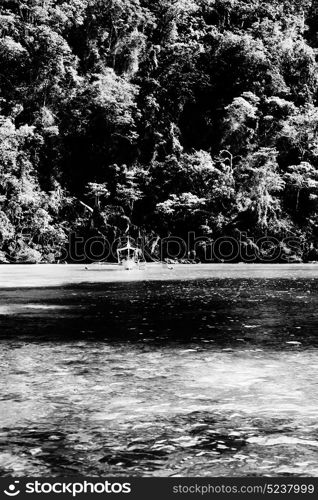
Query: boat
{"points": [[129, 255]]}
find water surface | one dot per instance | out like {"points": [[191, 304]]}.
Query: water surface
{"points": [[199, 370]]}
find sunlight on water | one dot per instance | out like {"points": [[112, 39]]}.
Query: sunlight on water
{"points": [[23, 308]]}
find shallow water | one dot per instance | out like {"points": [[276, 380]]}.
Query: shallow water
{"points": [[201, 371]]}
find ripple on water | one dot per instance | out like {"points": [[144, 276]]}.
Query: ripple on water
{"points": [[177, 378]]}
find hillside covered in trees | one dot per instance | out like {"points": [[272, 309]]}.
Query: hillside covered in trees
{"points": [[166, 116]]}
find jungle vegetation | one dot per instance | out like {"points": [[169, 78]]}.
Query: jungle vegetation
{"points": [[157, 118]]}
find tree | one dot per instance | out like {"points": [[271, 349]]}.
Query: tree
{"points": [[302, 177], [97, 191], [128, 190], [262, 183], [241, 123]]}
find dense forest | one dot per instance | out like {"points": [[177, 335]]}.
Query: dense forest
{"points": [[158, 118]]}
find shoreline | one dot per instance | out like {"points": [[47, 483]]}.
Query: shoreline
{"points": [[60, 275], [161, 263]]}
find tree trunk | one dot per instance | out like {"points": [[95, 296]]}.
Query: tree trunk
{"points": [[297, 200]]}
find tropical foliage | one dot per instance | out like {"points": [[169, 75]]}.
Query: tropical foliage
{"points": [[157, 118]]}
